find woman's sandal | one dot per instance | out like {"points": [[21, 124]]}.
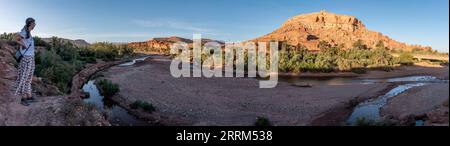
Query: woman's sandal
{"points": [[24, 102], [30, 99], [27, 101]]}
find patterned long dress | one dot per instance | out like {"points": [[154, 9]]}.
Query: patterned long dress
{"points": [[25, 76]]}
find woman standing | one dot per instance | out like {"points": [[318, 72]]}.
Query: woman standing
{"points": [[26, 65]]}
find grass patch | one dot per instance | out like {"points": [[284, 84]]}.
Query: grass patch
{"points": [[262, 121], [359, 70], [353, 103], [138, 104], [364, 122], [107, 88]]}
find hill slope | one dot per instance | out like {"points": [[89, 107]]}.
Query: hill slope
{"points": [[78, 42], [309, 29], [162, 45]]}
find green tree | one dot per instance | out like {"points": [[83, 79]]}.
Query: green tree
{"points": [[380, 45], [405, 58], [323, 45], [359, 44]]}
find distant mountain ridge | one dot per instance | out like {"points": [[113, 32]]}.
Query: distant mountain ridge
{"points": [[77, 42], [162, 45]]}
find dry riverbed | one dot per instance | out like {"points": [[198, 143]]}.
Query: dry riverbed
{"points": [[231, 101], [239, 101], [428, 103]]}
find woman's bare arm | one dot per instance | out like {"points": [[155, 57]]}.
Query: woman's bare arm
{"points": [[19, 40]]}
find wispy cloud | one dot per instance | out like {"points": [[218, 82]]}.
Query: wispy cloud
{"points": [[173, 24]]}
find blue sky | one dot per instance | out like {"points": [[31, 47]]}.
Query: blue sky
{"points": [[424, 22]]}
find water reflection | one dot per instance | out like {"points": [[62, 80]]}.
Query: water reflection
{"points": [[370, 110], [117, 116]]}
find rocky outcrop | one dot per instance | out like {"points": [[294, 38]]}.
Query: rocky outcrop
{"points": [[162, 45], [309, 29], [83, 76], [49, 110]]}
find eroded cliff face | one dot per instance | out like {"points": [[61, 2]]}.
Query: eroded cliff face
{"points": [[309, 29], [162, 45], [152, 46]]}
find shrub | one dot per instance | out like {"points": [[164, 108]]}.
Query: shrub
{"points": [[359, 44], [353, 103], [405, 58], [39, 42], [109, 51], [51, 67], [107, 88], [7, 36], [262, 121], [147, 107], [138, 104], [359, 70], [61, 60], [333, 58], [364, 122]]}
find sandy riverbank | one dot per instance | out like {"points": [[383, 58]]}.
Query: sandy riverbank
{"points": [[402, 71], [429, 103], [238, 101], [231, 101]]}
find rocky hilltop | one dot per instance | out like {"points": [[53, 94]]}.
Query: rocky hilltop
{"points": [[309, 29], [162, 45]]}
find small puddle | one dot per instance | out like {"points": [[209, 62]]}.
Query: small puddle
{"points": [[117, 116], [132, 62], [419, 123], [370, 110]]}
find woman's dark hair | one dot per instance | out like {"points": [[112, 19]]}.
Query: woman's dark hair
{"points": [[28, 23]]}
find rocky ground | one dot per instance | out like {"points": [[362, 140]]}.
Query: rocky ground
{"points": [[232, 101], [238, 101], [51, 109], [429, 103], [219, 101]]}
